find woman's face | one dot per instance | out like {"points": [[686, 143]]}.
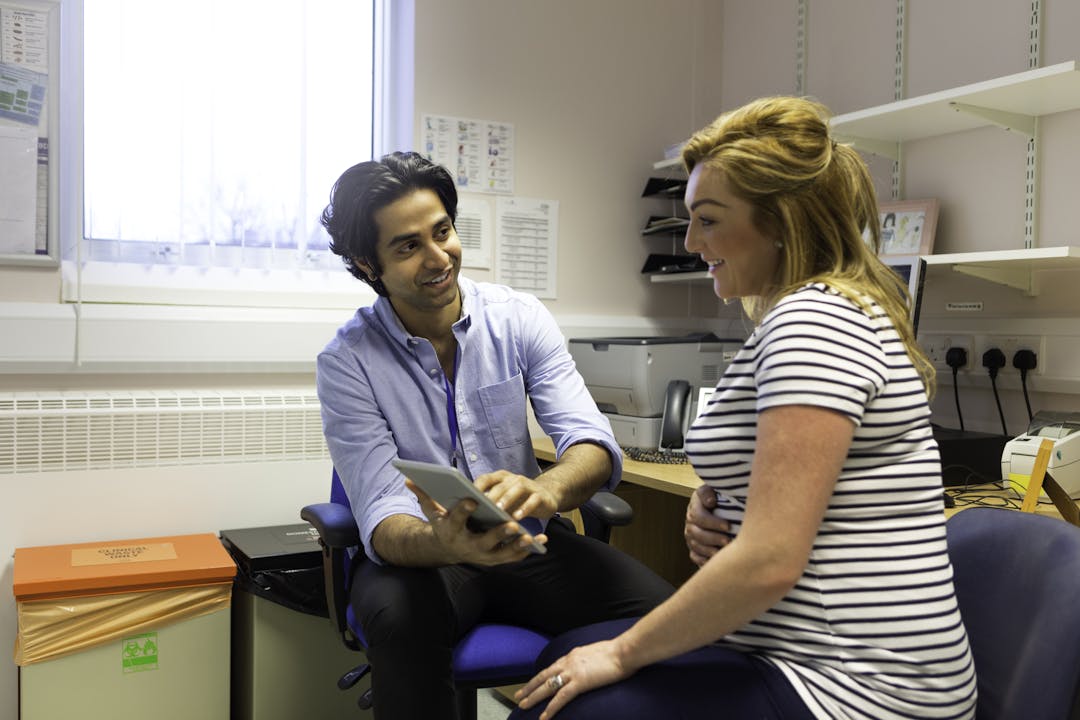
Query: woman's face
{"points": [[742, 261]]}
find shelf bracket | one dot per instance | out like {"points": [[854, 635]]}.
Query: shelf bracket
{"points": [[1013, 122], [1023, 279], [883, 148]]}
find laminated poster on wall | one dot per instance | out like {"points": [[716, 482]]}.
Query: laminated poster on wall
{"points": [[478, 153]]}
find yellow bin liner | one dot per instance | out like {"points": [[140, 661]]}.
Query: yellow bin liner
{"points": [[73, 597]]}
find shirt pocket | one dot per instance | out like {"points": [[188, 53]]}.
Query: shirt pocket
{"points": [[504, 407]]}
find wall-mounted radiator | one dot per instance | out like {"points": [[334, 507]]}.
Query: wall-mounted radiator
{"points": [[62, 431]]}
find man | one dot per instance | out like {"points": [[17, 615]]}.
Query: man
{"points": [[440, 369]]}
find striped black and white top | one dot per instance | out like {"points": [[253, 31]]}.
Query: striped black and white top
{"points": [[872, 628]]}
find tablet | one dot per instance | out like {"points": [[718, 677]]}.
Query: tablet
{"points": [[448, 486]]}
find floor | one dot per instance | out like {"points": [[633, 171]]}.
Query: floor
{"points": [[490, 705]]}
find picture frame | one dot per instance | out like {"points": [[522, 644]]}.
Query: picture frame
{"points": [[907, 227]]}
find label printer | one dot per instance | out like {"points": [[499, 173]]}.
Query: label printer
{"points": [[1018, 457], [648, 387]]}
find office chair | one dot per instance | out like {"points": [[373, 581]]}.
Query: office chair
{"points": [[490, 655], [1017, 578]]}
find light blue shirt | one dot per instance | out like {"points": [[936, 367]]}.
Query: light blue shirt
{"points": [[383, 396]]}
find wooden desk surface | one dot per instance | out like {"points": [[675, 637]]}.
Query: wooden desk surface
{"points": [[680, 480], [985, 496], [674, 479], [658, 493]]}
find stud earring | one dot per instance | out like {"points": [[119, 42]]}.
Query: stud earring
{"points": [[779, 245]]}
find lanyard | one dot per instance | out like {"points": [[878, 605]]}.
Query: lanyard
{"points": [[451, 412]]}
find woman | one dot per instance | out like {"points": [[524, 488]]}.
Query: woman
{"points": [[834, 599]]}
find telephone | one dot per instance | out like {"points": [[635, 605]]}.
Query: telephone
{"points": [[676, 418]]}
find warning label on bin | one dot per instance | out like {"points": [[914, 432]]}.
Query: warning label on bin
{"points": [[140, 652], [113, 554]]}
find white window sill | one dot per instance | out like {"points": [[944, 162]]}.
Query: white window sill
{"points": [[143, 319], [106, 282]]}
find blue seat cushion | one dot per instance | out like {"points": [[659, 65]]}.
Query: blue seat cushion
{"points": [[490, 654]]}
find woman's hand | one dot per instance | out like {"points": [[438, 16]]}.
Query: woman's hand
{"points": [[705, 533], [583, 669]]}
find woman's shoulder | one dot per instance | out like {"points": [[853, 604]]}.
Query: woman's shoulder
{"points": [[815, 297], [820, 305]]}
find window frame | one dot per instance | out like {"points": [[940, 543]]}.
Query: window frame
{"points": [[86, 281]]}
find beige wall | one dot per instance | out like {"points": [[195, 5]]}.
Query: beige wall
{"points": [[977, 176], [595, 91]]}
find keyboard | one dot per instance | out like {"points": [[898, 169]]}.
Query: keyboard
{"points": [[653, 455]]}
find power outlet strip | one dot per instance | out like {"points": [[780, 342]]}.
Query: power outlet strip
{"points": [[1010, 344], [937, 346]]}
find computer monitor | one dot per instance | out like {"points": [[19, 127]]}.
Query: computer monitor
{"points": [[912, 269]]}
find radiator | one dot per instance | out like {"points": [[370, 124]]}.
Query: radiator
{"points": [[62, 431]]}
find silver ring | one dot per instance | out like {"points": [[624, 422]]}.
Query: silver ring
{"points": [[556, 682]]}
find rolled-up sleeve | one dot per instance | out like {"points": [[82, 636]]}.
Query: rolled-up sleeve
{"points": [[361, 446], [561, 403]]}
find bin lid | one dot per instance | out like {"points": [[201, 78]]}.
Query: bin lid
{"points": [[279, 547], [101, 568]]}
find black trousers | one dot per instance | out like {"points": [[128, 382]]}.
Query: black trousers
{"points": [[413, 617]]}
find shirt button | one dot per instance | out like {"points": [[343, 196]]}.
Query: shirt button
{"points": [[472, 456], [432, 371]]}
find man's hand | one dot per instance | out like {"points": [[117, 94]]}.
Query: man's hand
{"points": [[501, 544], [705, 533], [519, 495]]}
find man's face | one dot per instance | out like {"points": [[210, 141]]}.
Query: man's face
{"points": [[420, 254]]}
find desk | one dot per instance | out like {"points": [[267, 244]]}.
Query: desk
{"points": [[658, 494], [995, 497], [673, 479]]}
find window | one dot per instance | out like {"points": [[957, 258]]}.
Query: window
{"points": [[210, 133]]}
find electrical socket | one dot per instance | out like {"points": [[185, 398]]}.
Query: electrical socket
{"points": [[1009, 344], [937, 345]]}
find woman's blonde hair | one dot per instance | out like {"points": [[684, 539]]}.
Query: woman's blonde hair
{"points": [[813, 195]]}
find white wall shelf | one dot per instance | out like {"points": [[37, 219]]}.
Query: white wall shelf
{"points": [[681, 277], [674, 163], [1015, 268], [1011, 102]]}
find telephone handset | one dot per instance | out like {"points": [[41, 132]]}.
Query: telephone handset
{"points": [[676, 414]]}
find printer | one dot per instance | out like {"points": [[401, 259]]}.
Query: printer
{"points": [[1018, 456], [648, 387]]}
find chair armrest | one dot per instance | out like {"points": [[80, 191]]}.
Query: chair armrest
{"points": [[609, 509], [335, 524], [603, 511], [337, 532]]}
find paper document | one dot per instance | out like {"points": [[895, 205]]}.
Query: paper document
{"points": [[18, 189], [527, 233]]}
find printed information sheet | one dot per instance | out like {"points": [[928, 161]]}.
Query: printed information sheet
{"points": [[527, 233]]}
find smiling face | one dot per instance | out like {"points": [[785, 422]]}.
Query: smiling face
{"points": [[420, 255], [742, 260]]}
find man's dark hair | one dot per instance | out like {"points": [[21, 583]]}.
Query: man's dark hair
{"points": [[368, 187]]}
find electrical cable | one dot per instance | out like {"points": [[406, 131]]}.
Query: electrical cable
{"points": [[993, 360], [956, 398], [1024, 360], [956, 358]]}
